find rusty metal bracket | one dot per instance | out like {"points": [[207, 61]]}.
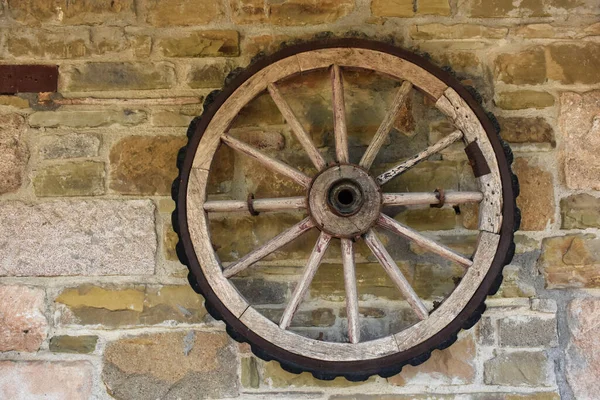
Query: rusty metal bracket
{"points": [[251, 209], [441, 196], [28, 78], [477, 160]]}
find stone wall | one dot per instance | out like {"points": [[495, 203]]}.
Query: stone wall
{"points": [[95, 304]]}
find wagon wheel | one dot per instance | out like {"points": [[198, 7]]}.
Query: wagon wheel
{"points": [[344, 202]]}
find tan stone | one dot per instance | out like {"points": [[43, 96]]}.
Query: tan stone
{"points": [[579, 121], [65, 380], [523, 99], [115, 307], [220, 178], [529, 8], [536, 200], [183, 12], [71, 179], [275, 377], [201, 44], [583, 357], [171, 118], [62, 44], [141, 45], [13, 152], [97, 297], [547, 31], [73, 13], [580, 211], [526, 130], [249, 11], [81, 119], [575, 62], [513, 285], [14, 101], [250, 377], [433, 7], [458, 31], [94, 237], [108, 39], [170, 240], [392, 8], [190, 364], [144, 164], [120, 76], [571, 261], [424, 177], [526, 67], [23, 326], [452, 366], [307, 12]]}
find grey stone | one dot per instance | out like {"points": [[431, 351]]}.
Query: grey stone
{"points": [[257, 291], [100, 237], [73, 145], [526, 331], [517, 369], [121, 76], [89, 119], [486, 334]]}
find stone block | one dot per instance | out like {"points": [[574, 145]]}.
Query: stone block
{"points": [[524, 99], [273, 376], [307, 12], [580, 211], [99, 76], [527, 67], [201, 44], [452, 366], [23, 325], [583, 357], [144, 164], [71, 179], [116, 307], [574, 63], [13, 152], [73, 344], [393, 8], [536, 199], [249, 374], [571, 261], [579, 122], [208, 76], [72, 145], [433, 7], [428, 219], [14, 101], [532, 8], [526, 130], [249, 11], [526, 368], [183, 12], [86, 119], [527, 331], [65, 380], [95, 237], [189, 364], [457, 31], [86, 12], [49, 44]]}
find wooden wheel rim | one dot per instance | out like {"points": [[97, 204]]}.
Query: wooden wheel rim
{"points": [[496, 233]]}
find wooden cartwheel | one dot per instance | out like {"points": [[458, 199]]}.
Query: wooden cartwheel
{"points": [[344, 201]]}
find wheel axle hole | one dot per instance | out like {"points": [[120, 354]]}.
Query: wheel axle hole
{"points": [[345, 197]]}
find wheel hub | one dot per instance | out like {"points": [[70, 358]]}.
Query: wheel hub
{"points": [[344, 201]]}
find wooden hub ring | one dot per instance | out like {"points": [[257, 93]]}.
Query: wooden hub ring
{"points": [[344, 201]]}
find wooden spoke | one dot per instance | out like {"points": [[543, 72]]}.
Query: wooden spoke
{"points": [[410, 199], [406, 165], [390, 266], [277, 242], [301, 134], [394, 226], [351, 293], [386, 125], [259, 205], [339, 116], [309, 272], [269, 162]]}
